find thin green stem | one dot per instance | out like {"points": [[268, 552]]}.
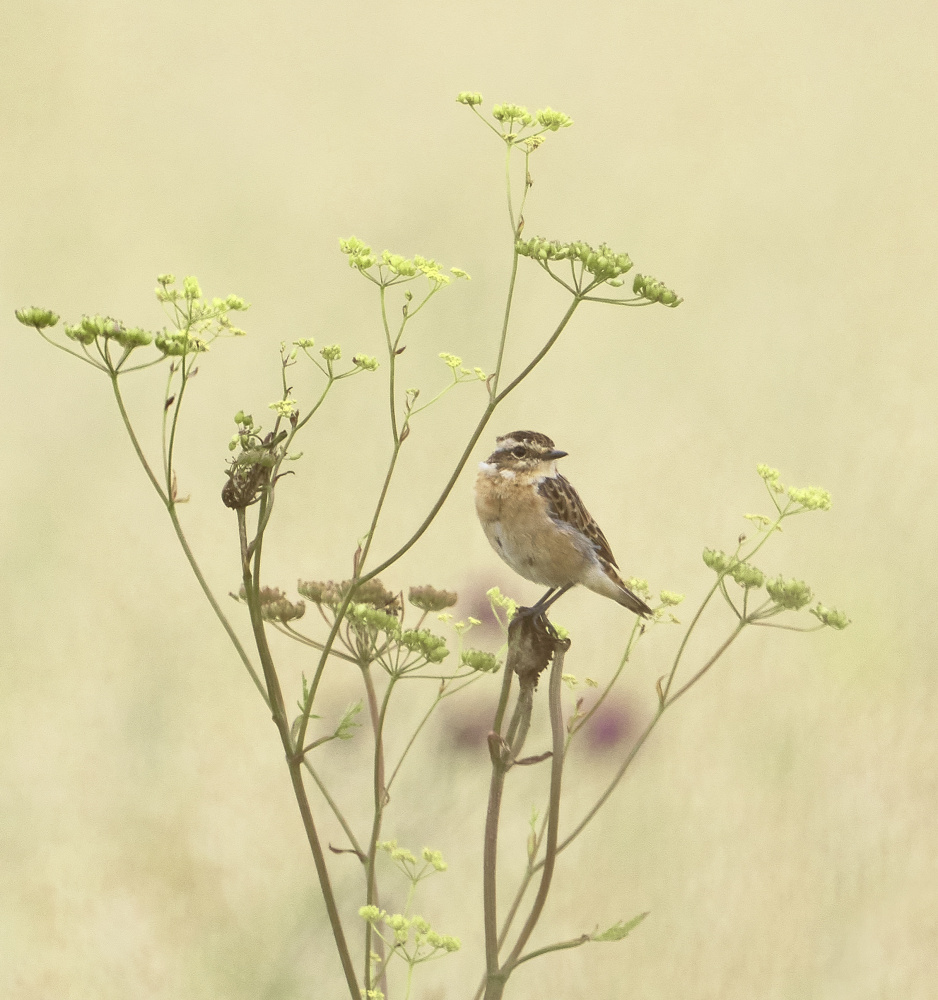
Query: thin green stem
{"points": [[601, 801], [336, 811], [511, 214], [183, 542], [560, 946], [278, 713], [690, 628], [380, 798], [713, 659], [133, 440], [392, 358], [423, 722], [518, 379], [74, 354]]}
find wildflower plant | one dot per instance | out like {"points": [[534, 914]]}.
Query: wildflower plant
{"points": [[366, 625]]}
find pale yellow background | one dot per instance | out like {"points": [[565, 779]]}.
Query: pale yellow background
{"points": [[775, 163]]}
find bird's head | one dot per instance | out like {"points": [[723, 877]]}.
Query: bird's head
{"points": [[525, 451]]}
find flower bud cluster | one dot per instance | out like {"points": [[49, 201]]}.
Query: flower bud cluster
{"points": [[435, 858], [511, 113], [553, 120], [481, 662], [770, 476], [430, 599], [361, 257], [424, 935], [332, 594], [89, 328], [501, 601], [745, 574], [670, 599], [749, 577], [366, 362], [177, 343], [431, 647], [831, 617], [359, 253], [789, 594], [275, 606], [469, 97], [284, 407], [371, 619], [401, 855], [604, 262], [653, 290], [34, 316], [810, 497]]}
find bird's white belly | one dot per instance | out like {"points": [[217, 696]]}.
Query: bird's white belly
{"points": [[540, 552]]}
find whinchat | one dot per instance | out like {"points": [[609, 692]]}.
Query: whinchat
{"points": [[536, 521]]}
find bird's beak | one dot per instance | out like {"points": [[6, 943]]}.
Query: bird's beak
{"points": [[556, 454]]}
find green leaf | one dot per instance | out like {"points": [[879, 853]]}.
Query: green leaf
{"points": [[620, 930]]}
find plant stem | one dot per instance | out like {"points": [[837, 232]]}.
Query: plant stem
{"points": [[187, 551], [278, 713], [556, 775]]}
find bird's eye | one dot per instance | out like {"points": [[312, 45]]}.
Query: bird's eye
{"points": [[518, 452]]}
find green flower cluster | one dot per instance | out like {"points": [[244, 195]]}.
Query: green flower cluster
{"points": [[829, 616], [362, 258], [552, 120], [90, 328], [604, 263], [469, 97], [481, 662], [366, 362], [745, 574], [34, 316], [177, 343], [192, 292], [653, 290], [424, 935], [509, 114], [435, 858], [770, 476], [283, 407], [359, 253], [807, 497], [431, 647], [373, 619], [639, 586], [810, 497], [789, 594], [516, 114]]}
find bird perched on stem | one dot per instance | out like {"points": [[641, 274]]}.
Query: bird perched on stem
{"points": [[536, 521]]}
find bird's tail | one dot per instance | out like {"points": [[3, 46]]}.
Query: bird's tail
{"points": [[633, 602]]}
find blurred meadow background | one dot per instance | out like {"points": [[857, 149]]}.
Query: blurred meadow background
{"points": [[775, 164]]}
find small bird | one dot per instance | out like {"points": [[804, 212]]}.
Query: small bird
{"points": [[536, 521]]}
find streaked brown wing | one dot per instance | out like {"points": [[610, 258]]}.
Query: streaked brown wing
{"points": [[564, 504]]}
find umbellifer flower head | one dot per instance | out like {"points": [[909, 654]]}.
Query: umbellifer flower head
{"points": [[430, 599]]}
